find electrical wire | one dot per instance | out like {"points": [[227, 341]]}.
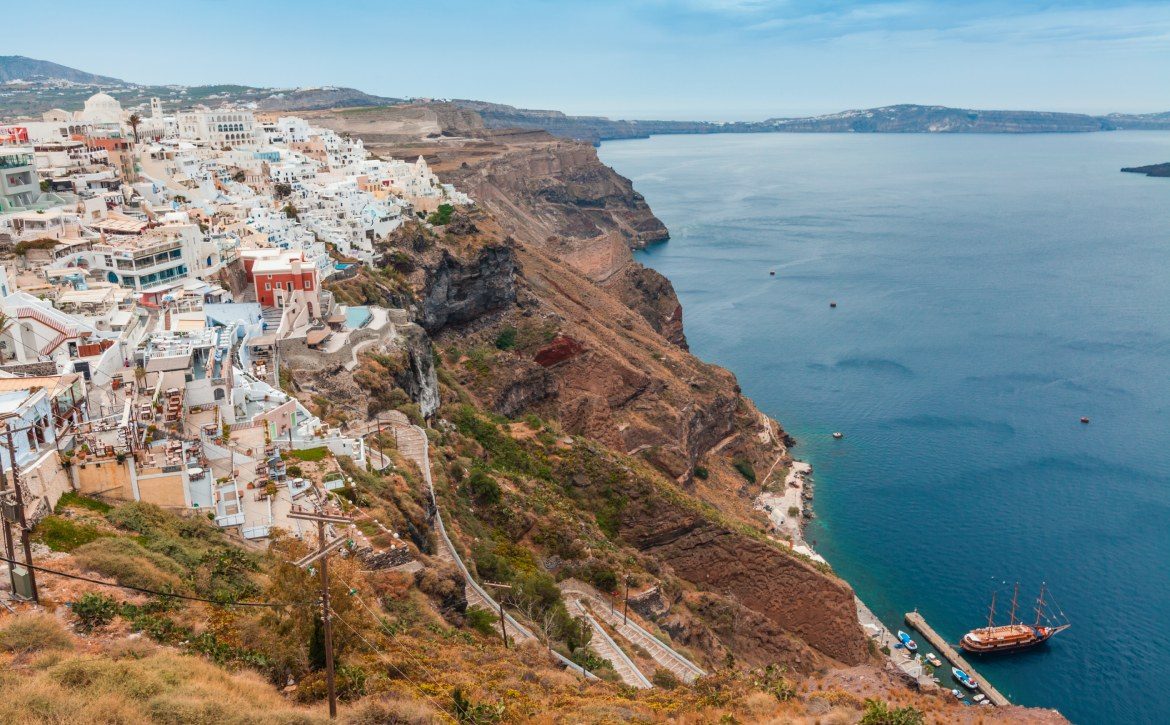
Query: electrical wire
{"points": [[374, 648], [143, 590]]}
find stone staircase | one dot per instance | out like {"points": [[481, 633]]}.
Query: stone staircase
{"points": [[604, 646], [664, 655]]}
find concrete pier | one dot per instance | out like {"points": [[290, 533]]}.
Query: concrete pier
{"points": [[949, 653]]}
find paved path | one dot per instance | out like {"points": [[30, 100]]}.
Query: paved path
{"points": [[604, 646], [412, 444], [660, 652]]}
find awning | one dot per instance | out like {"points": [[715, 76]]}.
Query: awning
{"points": [[316, 337]]}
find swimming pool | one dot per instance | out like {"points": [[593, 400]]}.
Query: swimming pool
{"points": [[355, 317], [341, 266]]}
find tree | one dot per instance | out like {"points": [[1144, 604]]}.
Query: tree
{"points": [[282, 189], [135, 120]]}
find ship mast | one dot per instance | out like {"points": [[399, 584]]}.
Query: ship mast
{"points": [[991, 612], [1015, 597], [1040, 604]]}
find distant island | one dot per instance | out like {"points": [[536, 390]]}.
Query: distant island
{"points": [[29, 87], [1151, 170]]}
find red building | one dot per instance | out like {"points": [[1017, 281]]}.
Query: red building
{"points": [[279, 277]]}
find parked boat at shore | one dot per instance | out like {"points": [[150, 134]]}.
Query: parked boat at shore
{"points": [[933, 659], [964, 679], [908, 643]]}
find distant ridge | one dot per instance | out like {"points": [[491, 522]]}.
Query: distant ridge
{"points": [[902, 118], [20, 68], [27, 100]]}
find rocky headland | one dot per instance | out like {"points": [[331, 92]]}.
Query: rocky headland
{"points": [[1162, 170]]}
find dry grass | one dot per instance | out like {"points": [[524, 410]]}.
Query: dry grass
{"points": [[161, 687], [34, 632], [129, 563]]}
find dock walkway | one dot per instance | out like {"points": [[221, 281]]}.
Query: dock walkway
{"points": [[918, 622]]}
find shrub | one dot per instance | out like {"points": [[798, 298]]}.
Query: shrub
{"points": [[664, 679], [604, 579], [744, 466], [61, 534], [879, 713], [793, 511], [481, 620], [441, 216], [129, 563], [33, 632], [476, 713], [701, 472], [484, 488], [69, 498], [94, 610], [506, 340]]}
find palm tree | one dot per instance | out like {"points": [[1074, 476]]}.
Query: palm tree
{"points": [[135, 119]]}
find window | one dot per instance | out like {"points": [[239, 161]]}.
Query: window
{"points": [[267, 286]]}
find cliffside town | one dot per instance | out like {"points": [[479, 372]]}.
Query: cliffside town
{"points": [[434, 334]]}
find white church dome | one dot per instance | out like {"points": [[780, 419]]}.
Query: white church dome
{"points": [[102, 108]]}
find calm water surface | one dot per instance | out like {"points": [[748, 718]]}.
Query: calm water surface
{"points": [[991, 290]]}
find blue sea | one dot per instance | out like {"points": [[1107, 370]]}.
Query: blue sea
{"points": [[991, 290]]}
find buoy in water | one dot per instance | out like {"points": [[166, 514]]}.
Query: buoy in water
{"points": [[838, 435], [832, 304], [772, 273], [1085, 419]]}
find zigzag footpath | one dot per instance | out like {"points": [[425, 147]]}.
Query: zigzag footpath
{"points": [[413, 444], [663, 654]]}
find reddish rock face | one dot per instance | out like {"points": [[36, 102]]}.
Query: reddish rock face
{"points": [[560, 349]]}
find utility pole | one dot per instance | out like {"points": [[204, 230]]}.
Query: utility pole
{"points": [[626, 603], [500, 604], [8, 550], [324, 548], [20, 518]]}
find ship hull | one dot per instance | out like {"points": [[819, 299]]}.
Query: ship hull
{"points": [[993, 646]]}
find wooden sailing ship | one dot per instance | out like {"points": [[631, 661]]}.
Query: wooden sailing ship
{"points": [[1015, 635]]}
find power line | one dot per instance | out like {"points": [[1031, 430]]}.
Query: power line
{"points": [[374, 648], [143, 590]]}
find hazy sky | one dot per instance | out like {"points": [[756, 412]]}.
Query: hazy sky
{"points": [[709, 59]]}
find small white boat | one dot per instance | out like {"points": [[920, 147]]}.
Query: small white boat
{"points": [[964, 679], [908, 643], [958, 695], [838, 435], [933, 659], [978, 697]]}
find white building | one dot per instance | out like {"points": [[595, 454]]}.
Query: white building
{"points": [[223, 127]]}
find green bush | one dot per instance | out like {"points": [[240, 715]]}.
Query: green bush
{"points": [[506, 340], [484, 488], [603, 578], [441, 216], [665, 679], [94, 610], [69, 498], [61, 534], [879, 713], [701, 472], [33, 632], [474, 713], [744, 466], [481, 620]]}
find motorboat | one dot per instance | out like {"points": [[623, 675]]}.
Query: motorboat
{"points": [[933, 659], [964, 679], [908, 643]]}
